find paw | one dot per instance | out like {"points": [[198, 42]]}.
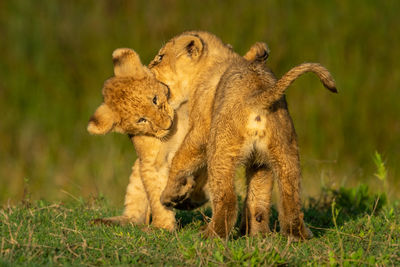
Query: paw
{"points": [[117, 220], [303, 233], [100, 221], [122, 221], [171, 198], [254, 230], [172, 201], [207, 232], [169, 226], [259, 52], [308, 234], [189, 204]]}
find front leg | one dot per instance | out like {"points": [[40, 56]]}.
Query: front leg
{"points": [[189, 158], [154, 181], [154, 177]]}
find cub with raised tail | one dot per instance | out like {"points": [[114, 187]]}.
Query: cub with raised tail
{"points": [[237, 115]]}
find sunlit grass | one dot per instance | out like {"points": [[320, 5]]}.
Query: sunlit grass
{"points": [[348, 232]]}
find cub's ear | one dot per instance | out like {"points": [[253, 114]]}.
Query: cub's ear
{"points": [[193, 45], [102, 121], [258, 52], [127, 63]]}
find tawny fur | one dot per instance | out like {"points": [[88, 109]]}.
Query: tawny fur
{"points": [[135, 103], [127, 98], [237, 115]]}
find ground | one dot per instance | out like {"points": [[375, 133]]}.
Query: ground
{"points": [[351, 227]]}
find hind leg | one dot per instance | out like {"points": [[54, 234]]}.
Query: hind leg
{"points": [[256, 210], [286, 165], [223, 158]]}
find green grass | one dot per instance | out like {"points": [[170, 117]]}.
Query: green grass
{"points": [[56, 55], [348, 232]]}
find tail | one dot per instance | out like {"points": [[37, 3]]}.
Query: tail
{"points": [[283, 83]]}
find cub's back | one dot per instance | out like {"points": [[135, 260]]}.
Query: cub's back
{"points": [[241, 83]]}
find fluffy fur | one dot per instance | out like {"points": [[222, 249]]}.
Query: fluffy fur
{"points": [[129, 97], [238, 115]]}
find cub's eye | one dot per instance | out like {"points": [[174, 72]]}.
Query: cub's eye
{"points": [[157, 60], [155, 100], [141, 120]]}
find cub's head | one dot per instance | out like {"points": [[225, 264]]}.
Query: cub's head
{"points": [[178, 61], [183, 56], [135, 103]]}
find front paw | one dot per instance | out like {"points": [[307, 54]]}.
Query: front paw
{"points": [[173, 195], [189, 204], [167, 225], [172, 200]]}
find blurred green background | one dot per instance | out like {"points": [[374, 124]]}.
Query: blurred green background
{"points": [[55, 56]]}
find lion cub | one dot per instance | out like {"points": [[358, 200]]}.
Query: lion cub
{"points": [[136, 103], [237, 115]]}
